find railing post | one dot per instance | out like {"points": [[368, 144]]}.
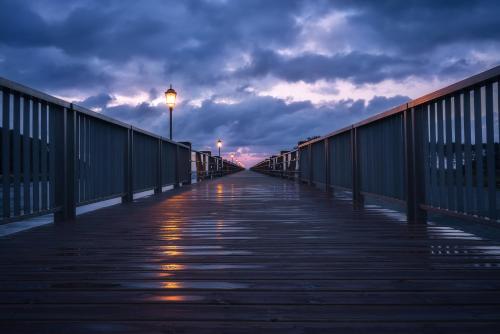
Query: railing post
{"points": [[129, 173], [356, 179], [6, 153], [190, 167], [158, 171], [66, 188], [327, 165], [310, 162], [414, 166], [177, 176], [284, 173], [296, 174]]}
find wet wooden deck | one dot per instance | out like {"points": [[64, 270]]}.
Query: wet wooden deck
{"points": [[247, 254]]}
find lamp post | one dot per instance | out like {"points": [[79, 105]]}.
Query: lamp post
{"points": [[219, 145], [170, 95], [232, 157]]}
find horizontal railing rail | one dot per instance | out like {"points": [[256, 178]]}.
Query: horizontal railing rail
{"points": [[437, 153], [56, 156]]}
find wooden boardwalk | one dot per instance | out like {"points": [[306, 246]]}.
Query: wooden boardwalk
{"points": [[247, 254]]}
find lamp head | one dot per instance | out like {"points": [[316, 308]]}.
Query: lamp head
{"points": [[171, 95]]}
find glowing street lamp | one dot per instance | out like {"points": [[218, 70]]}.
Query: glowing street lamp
{"points": [[232, 157], [171, 95], [219, 145]]}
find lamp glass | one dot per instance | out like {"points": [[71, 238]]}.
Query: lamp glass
{"points": [[171, 95]]}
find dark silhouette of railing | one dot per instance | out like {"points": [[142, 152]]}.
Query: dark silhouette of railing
{"points": [[56, 156], [439, 152]]}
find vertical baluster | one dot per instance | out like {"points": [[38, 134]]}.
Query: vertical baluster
{"points": [[419, 135], [71, 164], [6, 153], [409, 163], [426, 152], [490, 152], [177, 166], [78, 163], [469, 204], [450, 191], [367, 147], [99, 182], [497, 152], [398, 157], [43, 155], [88, 176], [478, 152], [108, 152], [327, 164], [84, 162], [26, 155], [16, 154], [93, 158], [36, 155], [440, 143], [433, 156], [52, 154], [158, 166], [458, 154]]}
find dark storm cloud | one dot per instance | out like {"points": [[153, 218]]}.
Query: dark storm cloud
{"points": [[48, 69], [355, 66], [198, 37], [422, 25], [96, 101], [218, 50]]}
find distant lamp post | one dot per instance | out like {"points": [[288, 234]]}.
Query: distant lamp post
{"points": [[232, 157], [219, 145], [171, 95]]}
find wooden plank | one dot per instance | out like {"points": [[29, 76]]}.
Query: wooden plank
{"points": [[248, 249], [310, 313], [251, 327]]}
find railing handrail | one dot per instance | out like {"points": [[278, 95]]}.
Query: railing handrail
{"points": [[33, 92]]}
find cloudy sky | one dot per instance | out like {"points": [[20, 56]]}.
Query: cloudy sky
{"points": [[261, 75]]}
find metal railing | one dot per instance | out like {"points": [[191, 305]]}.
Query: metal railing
{"points": [[206, 167], [437, 153], [56, 156], [284, 165]]}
